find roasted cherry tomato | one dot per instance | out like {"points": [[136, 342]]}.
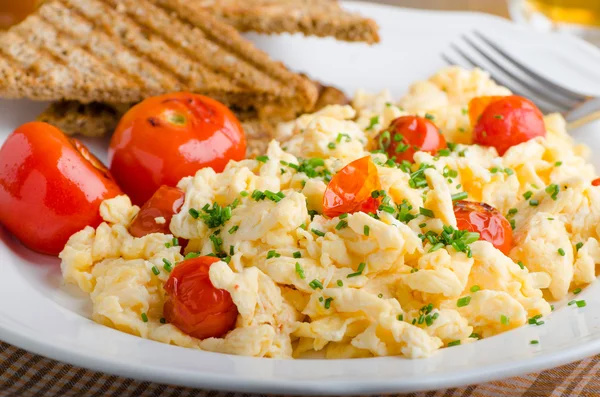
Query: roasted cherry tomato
{"points": [[596, 182], [50, 187], [194, 305], [507, 122], [165, 138], [485, 220], [350, 189], [164, 203], [407, 135]]}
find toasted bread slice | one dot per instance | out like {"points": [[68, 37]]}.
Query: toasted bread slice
{"points": [[122, 51], [311, 17], [98, 119]]}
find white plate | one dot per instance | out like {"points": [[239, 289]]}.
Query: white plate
{"points": [[39, 314]]}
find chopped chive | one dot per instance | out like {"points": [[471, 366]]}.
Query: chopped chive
{"points": [[273, 254], [233, 229], [155, 270], [521, 265], [400, 317], [460, 196], [331, 145], [475, 288], [581, 303], [359, 271], [454, 343], [558, 164], [327, 304], [578, 246], [463, 301], [262, 159], [168, 265], [475, 335], [343, 216], [513, 224], [534, 203], [366, 230], [577, 291], [341, 225], [429, 116], [380, 296], [191, 255], [194, 213], [315, 284], [571, 303], [422, 225], [426, 212], [300, 270], [512, 211], [527, 195], [163, 320], [244, 193], [534, 342], [340, 283], [504, 320], [436, 247], [144, 317], [297, 254], [317, 232], [561, 252]]}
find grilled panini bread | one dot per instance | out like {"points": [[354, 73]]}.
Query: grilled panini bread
{"points": [[122, 51], [311, 17]]}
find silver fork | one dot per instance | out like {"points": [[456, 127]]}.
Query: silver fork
{"points": [[578, 109]]}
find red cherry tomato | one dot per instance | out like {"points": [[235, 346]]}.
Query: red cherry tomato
{"points": [[50, 187], [194, 305], [596, 182], [165, 138], [350, 189], [408, 134], [507, 122], [485, 220], [165, 202]]}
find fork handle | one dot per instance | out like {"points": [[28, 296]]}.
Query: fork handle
{"points": [[585, 113]]}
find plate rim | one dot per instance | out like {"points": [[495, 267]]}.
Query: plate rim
{"points": [[297, 387]]}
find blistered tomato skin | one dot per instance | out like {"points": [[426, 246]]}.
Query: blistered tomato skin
{"points": [[507, 122], [350, 189], [50, 187], [165, 138], [194, 305], [408, 134], [164, 203], [485, 220]]}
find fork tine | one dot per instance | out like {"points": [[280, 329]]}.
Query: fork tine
{"points": [[545, 106], [545, 95], [564, 91]]}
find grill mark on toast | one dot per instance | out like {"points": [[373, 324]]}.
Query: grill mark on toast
{"points": [[197, 46], [91, 72], [77, 30], [145, 43], [228, 38]]}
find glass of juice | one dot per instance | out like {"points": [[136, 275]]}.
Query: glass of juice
{"points": [[581, 17], [14, 11]]}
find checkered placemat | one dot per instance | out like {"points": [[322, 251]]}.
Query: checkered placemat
{"points": [[23, 374]]}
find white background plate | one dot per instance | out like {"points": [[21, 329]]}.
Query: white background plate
{"points": [[39, 314]]}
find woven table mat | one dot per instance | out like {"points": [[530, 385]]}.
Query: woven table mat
{"points": [[23, 374]]}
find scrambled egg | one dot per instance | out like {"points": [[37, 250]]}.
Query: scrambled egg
{"points": [[335, 288]]}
